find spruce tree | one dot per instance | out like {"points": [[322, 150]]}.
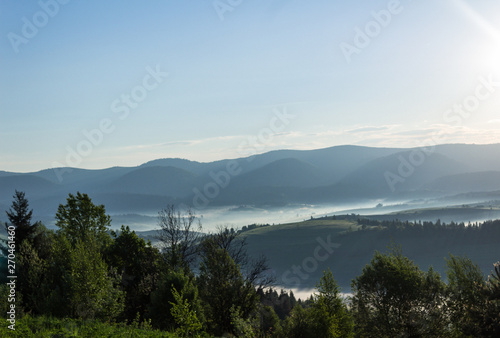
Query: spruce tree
{"points": [[20, 217]]}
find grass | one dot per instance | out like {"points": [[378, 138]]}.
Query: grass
{"points": [[41, 327]]}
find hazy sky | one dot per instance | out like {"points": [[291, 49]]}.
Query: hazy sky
{"points": [[96, 84]]}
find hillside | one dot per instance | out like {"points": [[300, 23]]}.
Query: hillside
{"points": [[282, 173], [299, 252], [340, 174], [482, 181], [154, 180], [31, 184]]}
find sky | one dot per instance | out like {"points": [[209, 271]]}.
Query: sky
{"points": [[95, 84]]}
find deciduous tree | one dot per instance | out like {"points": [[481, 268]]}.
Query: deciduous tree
{"points": [[393, 297], [80, 220], [139, 264], [180, 235], [466, 301], [222, 288]]}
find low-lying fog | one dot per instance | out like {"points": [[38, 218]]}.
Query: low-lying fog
{"points": [[239, 216]]}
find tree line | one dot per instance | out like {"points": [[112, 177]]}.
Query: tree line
{"points": [[199, 285]]}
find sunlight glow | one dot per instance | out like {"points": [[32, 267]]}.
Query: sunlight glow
{"points": [[492, 59]]}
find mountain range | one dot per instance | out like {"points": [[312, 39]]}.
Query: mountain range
{"points": [[276, 178]]}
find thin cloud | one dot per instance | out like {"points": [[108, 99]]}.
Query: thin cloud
{"points": [[178, 143], [368, 129]]}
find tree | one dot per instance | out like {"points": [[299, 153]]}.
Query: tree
{"points": [[20, 217], [329, 313], [491, 323], [393, 297], [466, 299], [31, 243], [80, 219], [185, 316], [162, 298], [282, 303], [82, 284], [31, 278], [298, 324], [139, 265], [270, 322], [180, 235], [93, 291], [255, 271], [223, 289]]}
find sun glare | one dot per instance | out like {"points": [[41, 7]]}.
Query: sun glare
{"points": [[490, 55]]}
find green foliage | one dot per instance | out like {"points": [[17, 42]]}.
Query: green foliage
{"points": [[42, 326], [82, 285], [330, 315], [222, 286], [281, 303], [327, 315], [83, 273], [393, 297], [139, 264], [92, 290], [4, 305], [20, 216], [31, 278], [79, 220], [269, 322], [163, 297], [299, 324], [491, 323], [185, 317], [32, 257], [466, 299], [243, 327]]}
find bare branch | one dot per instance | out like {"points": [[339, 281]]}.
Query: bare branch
{"points": [[180, 235]]}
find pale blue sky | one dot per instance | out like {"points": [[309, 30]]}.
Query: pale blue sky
{"points": [[230, 71]]}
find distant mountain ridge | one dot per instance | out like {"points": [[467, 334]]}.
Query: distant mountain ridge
{"points": [[278, 177]]}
